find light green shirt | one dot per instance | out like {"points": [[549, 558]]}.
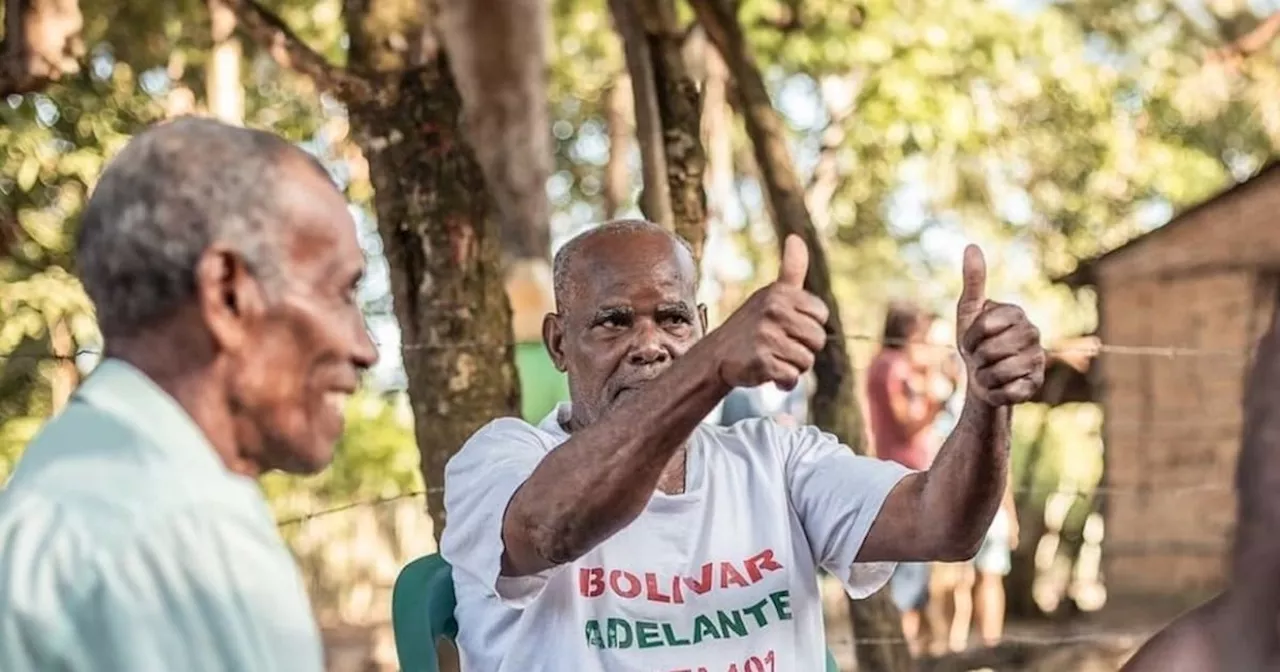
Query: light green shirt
{"points": [[126, 545]]}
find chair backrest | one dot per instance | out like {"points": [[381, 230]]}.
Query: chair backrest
{"points": [[422, 605]]}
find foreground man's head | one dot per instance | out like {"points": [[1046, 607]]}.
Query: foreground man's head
{"points": [[626, 307], [223, 263]]}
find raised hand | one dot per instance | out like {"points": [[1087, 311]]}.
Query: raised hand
{"points": [[774, 336], [1000, 346]]}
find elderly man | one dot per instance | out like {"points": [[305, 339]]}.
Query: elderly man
{"points": [[620, 533], [133, 536], [1239, 629]]}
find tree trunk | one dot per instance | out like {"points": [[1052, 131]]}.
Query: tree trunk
{"points": [[224, 89], [835, 406], [680, 109], [717, 134], [433, 216], [41, 44], [446, 277], [655, 196], [717, 129], [617, 115], [838, 97], [441, 246], [497, 54], [668, 117]]}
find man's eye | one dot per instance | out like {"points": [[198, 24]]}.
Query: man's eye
{"points": [[610, 323], [676, 319]]}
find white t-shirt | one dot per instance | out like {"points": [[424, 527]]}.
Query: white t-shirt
{"points": [[721, 578]]}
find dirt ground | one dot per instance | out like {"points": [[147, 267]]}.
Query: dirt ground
{"points": [[1097, 642]]}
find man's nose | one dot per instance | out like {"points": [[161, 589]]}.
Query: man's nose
{"points": [[365, 352], [648, 346]]}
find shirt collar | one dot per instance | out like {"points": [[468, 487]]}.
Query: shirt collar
{"points": [[555, 421], [119, 389]]}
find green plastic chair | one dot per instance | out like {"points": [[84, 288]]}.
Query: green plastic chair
{"points": [[422, 605]]}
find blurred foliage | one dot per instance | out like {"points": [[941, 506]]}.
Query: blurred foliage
{"points": [[1050, 131], [375, 459]]}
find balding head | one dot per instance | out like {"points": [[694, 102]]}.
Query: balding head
{"points": [[171, 193], [626, 308], [592, 244]]}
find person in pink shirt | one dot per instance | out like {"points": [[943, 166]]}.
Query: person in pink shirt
{"points": [[902, 412]]}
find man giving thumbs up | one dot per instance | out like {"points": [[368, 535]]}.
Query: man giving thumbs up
{"points": [[621, 533]]}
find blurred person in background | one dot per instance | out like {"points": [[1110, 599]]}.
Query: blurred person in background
{"points": [[223, 263], [901, 413], [787, 408], [992, 564], [960, 593]]}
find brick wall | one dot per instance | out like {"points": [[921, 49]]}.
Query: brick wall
{"points": [[1173, 423]]}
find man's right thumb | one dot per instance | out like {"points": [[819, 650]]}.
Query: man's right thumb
{"points": [[795, 261]]}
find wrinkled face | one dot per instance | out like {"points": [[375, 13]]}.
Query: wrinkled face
{"points": [[293, 358], [630, 312]]}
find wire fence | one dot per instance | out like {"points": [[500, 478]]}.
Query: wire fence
{"points": [[1157, 351], [1206, 361]]}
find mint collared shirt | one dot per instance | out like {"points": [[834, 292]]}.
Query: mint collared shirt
{"points": [[126, 545]]}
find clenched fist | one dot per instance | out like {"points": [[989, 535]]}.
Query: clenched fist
{"points": [[774, 336], [1000, 346]]}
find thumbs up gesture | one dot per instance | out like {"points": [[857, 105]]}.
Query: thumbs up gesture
{"points": [[774, 336], [1000, 346]]}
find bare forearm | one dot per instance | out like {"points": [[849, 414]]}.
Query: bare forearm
{"points": [[600, 480], [965, 486]]}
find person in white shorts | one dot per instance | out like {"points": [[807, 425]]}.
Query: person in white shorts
{"points": [[622, 533]]}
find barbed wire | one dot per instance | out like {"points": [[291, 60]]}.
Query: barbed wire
{"points": [[1033, 640], [1213, 547], [1099, 491]]}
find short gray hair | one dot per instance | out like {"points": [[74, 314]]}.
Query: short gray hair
{"points": [[566, 257], [171, 193]]}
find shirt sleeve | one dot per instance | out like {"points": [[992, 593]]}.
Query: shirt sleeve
{"points": [[479, 482], [838, 495], [208, 591]]}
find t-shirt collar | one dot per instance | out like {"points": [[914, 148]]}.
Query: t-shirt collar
{"points": [[555, 421]]}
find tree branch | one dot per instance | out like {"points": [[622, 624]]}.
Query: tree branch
{"points": [[839, 97], [41, 44], [288, 50], [655, 198], [1248, 44], [496, 50]]}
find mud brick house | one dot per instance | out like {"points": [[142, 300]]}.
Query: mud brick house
{"points": [[1206, 281]]}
